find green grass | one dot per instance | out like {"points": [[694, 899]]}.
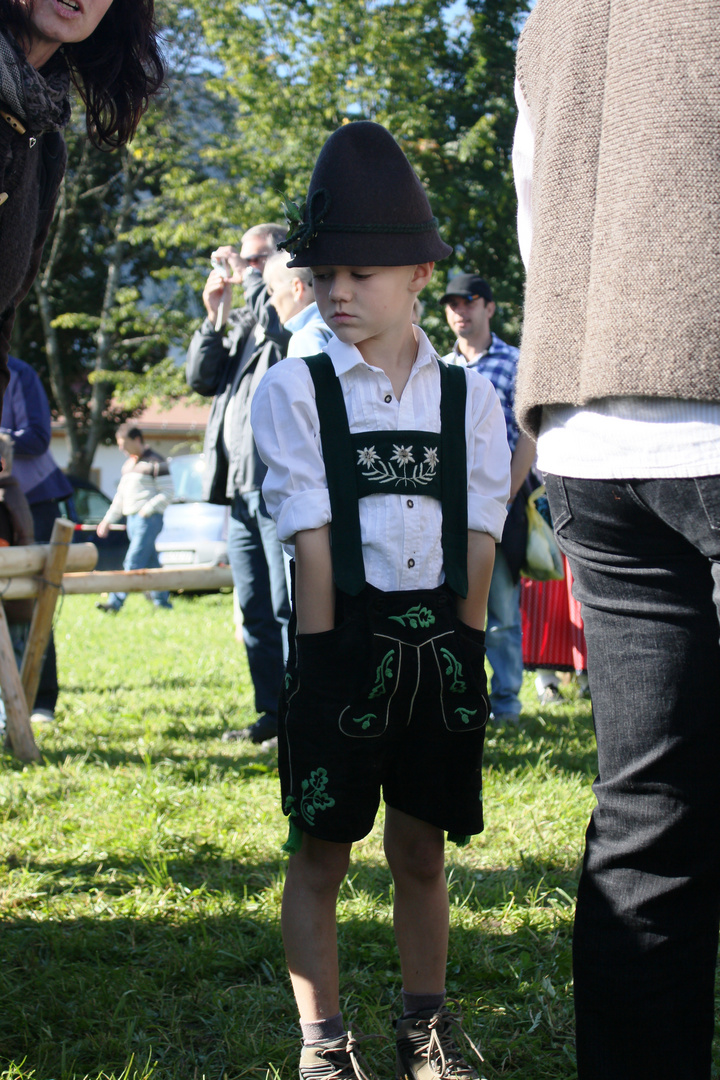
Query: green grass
{"points": [[141, 875]]}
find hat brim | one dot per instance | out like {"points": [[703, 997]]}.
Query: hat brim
{"points": [[375, 249], [465, 294]]}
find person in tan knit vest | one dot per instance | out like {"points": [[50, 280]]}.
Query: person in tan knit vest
{"points": [[617, 166]]}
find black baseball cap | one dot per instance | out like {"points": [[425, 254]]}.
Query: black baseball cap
{"points": [[469, 286]]}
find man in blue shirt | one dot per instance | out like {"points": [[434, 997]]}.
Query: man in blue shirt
{"points": [[469, 307]]}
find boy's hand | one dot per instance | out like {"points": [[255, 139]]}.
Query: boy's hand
{"points": [[481, 559]]}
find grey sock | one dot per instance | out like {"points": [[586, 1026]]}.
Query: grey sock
{"points": [[319, 1031], [417, 1003]]}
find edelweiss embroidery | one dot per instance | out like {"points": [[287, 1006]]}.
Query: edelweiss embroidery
{"points": [[396, 470]]}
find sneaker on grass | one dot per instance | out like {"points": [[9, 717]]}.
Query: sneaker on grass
{"points": [[426, 1047], [335, 1059]]}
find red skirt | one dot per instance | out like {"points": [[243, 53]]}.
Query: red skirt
{"points": [[552, 625]]}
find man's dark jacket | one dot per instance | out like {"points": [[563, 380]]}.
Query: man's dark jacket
{"points": [[228, 366]]}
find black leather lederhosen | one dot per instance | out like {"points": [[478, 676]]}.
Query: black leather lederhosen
{"points": [[394, 697]]}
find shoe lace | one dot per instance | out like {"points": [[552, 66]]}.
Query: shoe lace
{"points": [[351, 1048], [442, 1049]]}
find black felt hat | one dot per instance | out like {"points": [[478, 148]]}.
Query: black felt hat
{"points": [[365, 206]]}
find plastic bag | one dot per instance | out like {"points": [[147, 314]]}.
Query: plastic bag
{"points": [[543, 560]]}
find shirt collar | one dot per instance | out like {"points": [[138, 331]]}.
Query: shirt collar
{"points": [[346, 357], [301, 320], [459, 358]]}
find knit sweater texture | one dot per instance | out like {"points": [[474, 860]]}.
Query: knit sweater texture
{"points": [[624, 273]]}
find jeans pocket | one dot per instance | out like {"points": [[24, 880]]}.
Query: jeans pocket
{"points": [[557, 497], [708, 489]]}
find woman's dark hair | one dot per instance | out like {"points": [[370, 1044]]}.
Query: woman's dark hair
{"points": [[116, 70]]}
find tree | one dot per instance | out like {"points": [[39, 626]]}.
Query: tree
{"points": [[108, 302], [297, 69], [254, 91]]}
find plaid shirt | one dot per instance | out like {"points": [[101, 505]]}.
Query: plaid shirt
{"points": [[499, 365]]}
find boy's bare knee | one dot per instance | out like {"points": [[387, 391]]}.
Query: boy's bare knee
{"points": [[320, 864], [421, 858]]}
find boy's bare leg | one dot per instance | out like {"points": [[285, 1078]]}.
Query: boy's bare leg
{"points": [[415, 853], [309, 925]]}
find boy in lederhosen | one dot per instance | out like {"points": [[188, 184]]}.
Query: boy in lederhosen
{"points": [[388, 475]]}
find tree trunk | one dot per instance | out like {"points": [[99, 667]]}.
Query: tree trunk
{"points": [[105, 337]]}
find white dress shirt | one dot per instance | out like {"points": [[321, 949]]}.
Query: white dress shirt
{"points": [[401, 533], [615, 437]]}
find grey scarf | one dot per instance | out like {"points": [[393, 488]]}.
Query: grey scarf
{"points": [[41, 102]]}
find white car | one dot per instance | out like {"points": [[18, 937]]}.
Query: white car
{"points": [[194, 532]]}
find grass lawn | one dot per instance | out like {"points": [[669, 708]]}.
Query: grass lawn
{"points": [[141, 875]]}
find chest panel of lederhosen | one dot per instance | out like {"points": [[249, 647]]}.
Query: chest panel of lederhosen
{"points": [[392, 462]]}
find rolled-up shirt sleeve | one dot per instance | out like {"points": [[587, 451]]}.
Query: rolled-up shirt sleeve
{"points": [[287, 433], [488, 457]]}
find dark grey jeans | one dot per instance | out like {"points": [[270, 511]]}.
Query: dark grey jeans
{"points": [[645, 556]]}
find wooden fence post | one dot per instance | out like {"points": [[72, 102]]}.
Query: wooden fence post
{"points": [[42, 617], [17, 718]]}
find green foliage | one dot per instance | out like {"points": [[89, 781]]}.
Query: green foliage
{"points": [[253, 92]]}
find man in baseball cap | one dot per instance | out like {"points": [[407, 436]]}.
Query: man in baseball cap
{"points": [[470, 287]]}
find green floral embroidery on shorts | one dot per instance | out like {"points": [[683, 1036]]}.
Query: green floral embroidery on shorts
{"points": [[315, 797], [454, 668], [414, 617], [288, 680], [365, 720], [383, 673], [290, 808], [465, 714]]}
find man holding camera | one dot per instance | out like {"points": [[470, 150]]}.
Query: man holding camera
{"points": [[226, 359]]}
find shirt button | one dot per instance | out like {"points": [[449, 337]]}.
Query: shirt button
{"points": [[411, 563], [410, 503], [3, 197], [388, 399]]}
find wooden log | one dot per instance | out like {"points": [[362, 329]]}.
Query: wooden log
{"points": [[49, 586], [17, 718], [170, 578], [22, 561], [173, 578]]}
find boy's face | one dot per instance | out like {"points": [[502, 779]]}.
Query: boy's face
{"points": [[362, 302]]}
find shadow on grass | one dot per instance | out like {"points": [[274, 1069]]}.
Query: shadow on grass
{"points": [[209, 997], [566, 743], [206, 870], [192, 769]]}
